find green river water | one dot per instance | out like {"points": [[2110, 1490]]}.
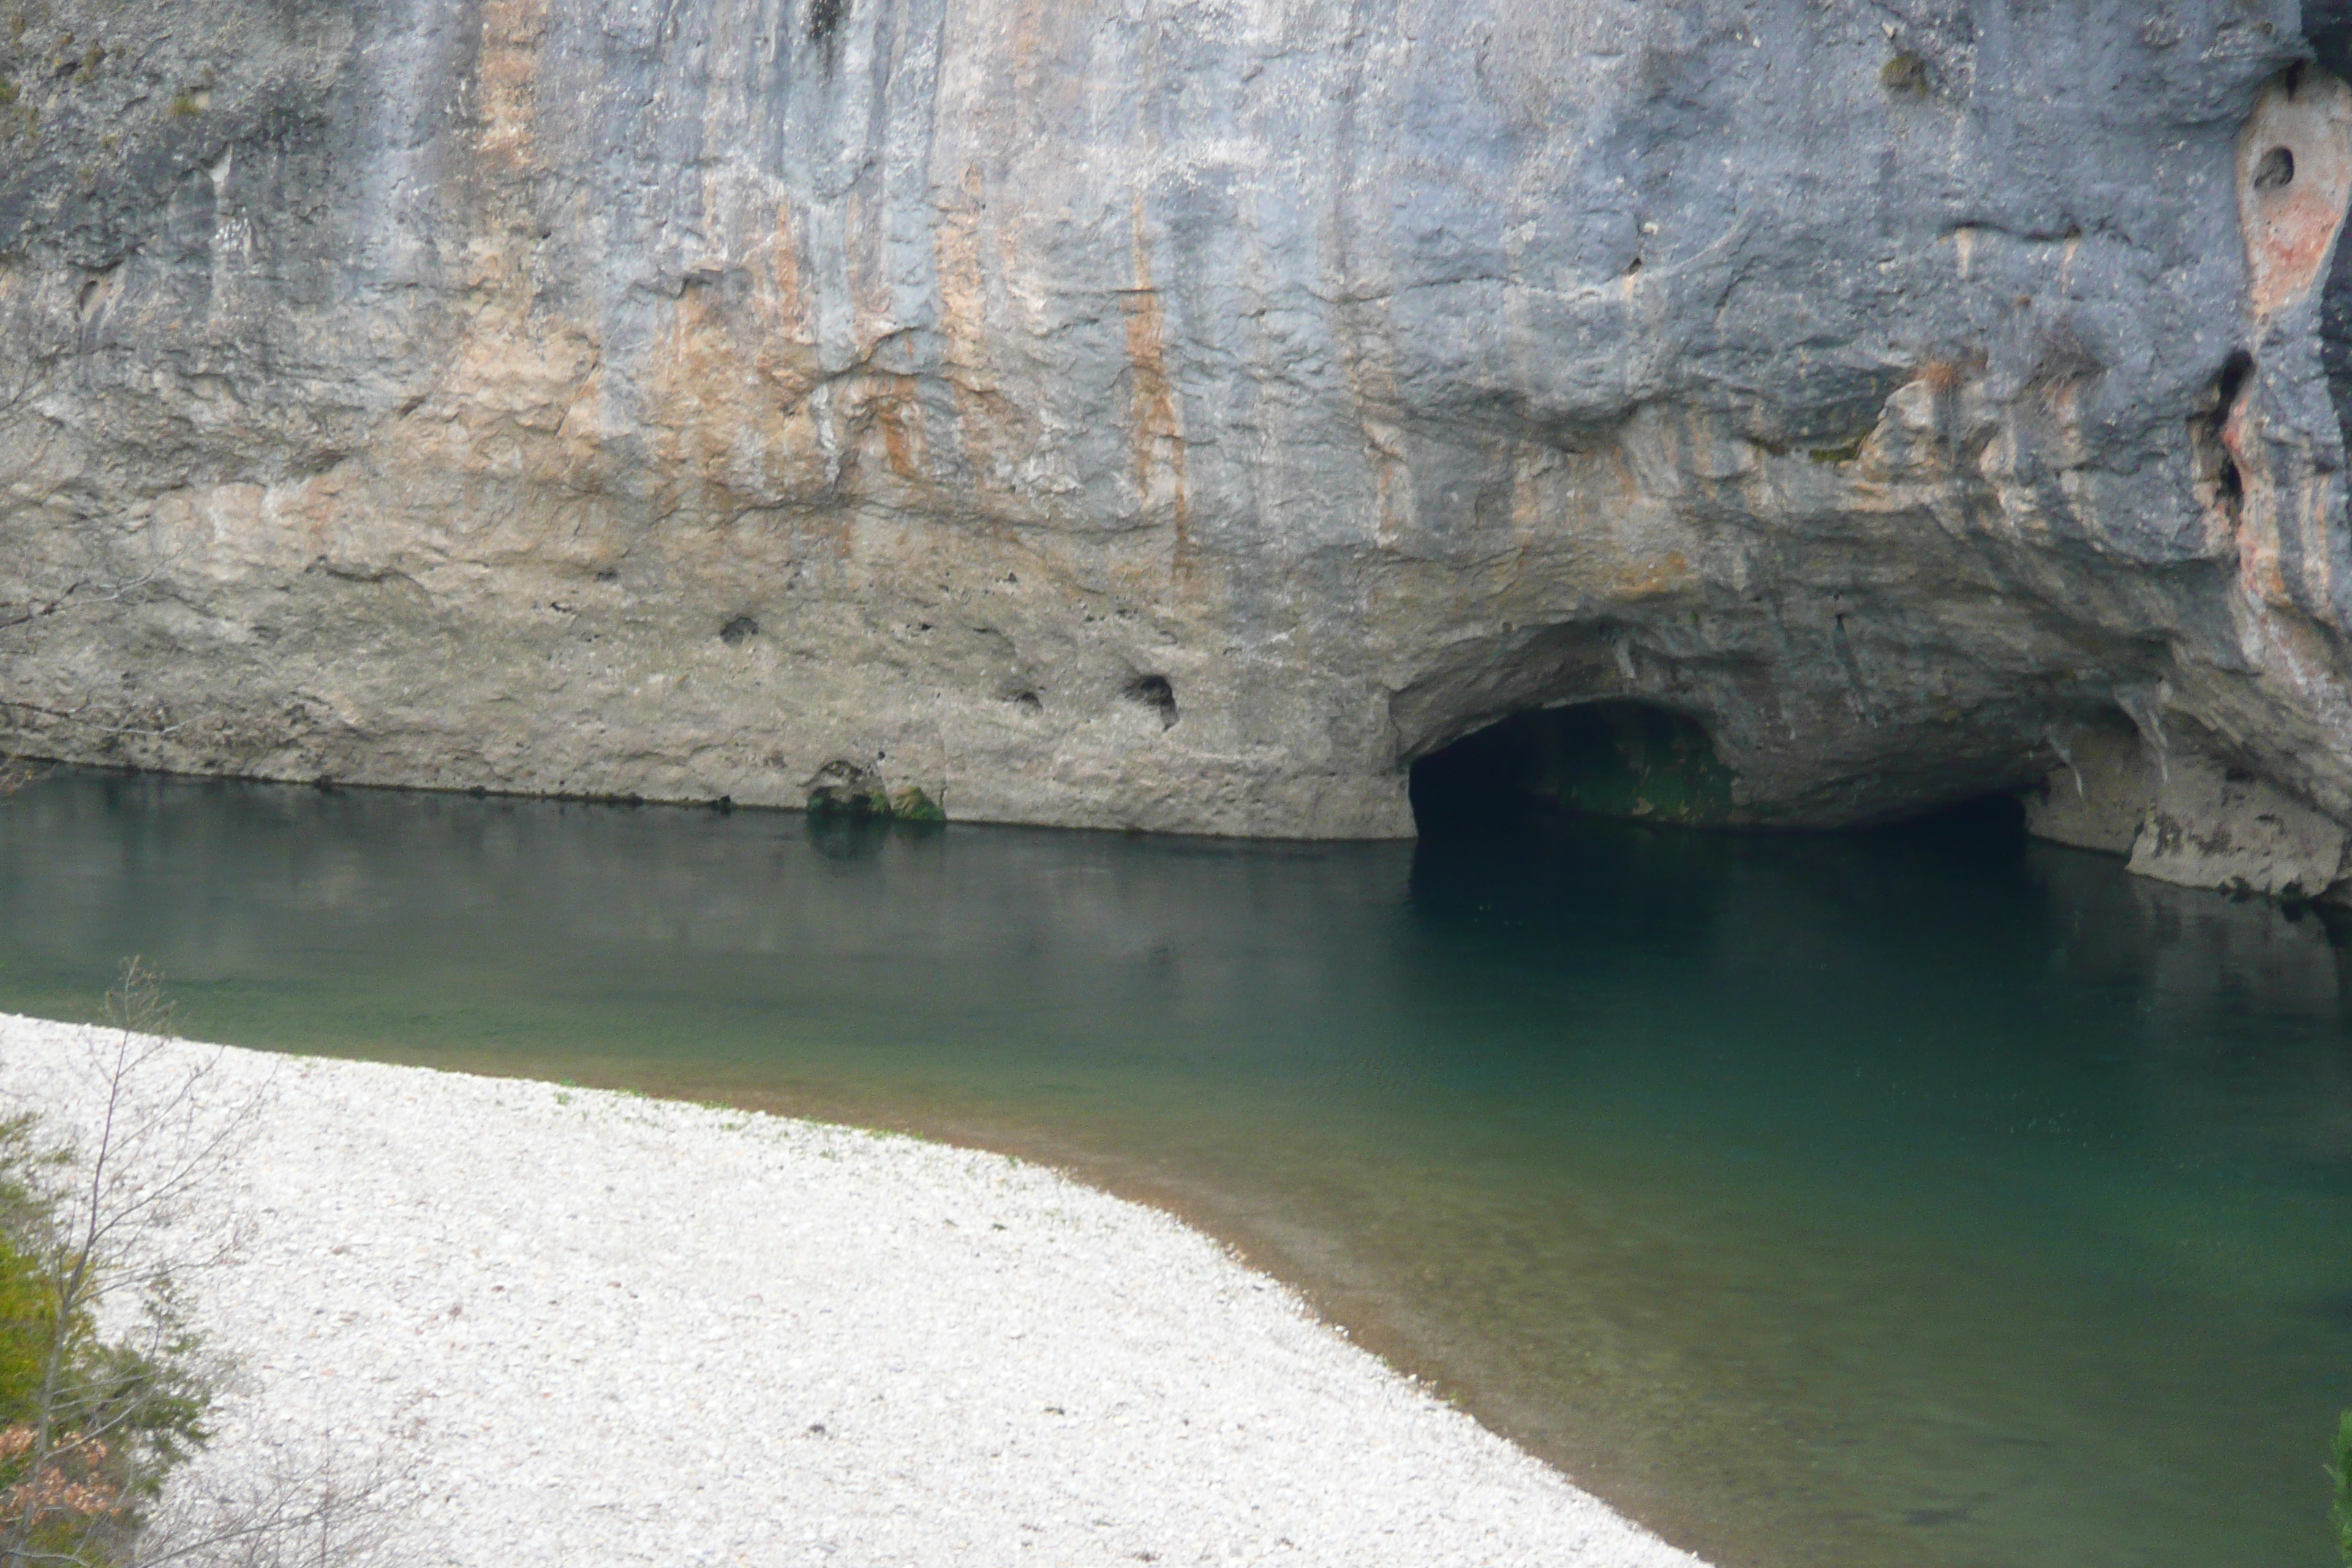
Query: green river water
{"points": [[1921, 1199]]}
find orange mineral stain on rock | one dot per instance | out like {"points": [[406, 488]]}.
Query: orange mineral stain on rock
{"points": [[2294, 178], [2259, 575], [1649, 578], [899, 414], [2294, 173], [962, 282], [963, 323], [1369, 354], [508, 72], [785, 305], [725, 383], [1153, 415]]}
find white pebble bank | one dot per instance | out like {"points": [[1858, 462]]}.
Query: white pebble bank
{"points": [[586, 1328]]}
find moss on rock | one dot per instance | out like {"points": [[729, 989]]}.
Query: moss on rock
{"points": [[843, 788], [1604, 759]]}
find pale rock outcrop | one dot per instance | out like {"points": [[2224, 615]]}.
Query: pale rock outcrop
{"points": [[1175, 415], [2100, 795], [2184, 818], [2211, 827]]}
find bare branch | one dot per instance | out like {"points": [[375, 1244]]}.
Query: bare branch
{"points": [[111, 1418]]}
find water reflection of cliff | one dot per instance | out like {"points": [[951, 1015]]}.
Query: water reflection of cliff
{"points": [[2217, 980], [2207, 958], [1925, 1151]]}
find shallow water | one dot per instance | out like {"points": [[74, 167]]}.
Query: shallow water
{"points": [[1922, 1198]]}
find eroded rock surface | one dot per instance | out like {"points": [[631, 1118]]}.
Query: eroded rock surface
{"points": [[2185, 818], [1172, 415]]}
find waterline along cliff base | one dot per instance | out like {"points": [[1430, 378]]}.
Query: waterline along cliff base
{"points": [[1191, 417]]}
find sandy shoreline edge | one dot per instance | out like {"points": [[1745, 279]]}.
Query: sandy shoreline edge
{"points": [[582, 1326]]}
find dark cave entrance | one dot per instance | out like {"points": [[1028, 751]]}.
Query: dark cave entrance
{"points": [[1624, 760], [1631, 762]]}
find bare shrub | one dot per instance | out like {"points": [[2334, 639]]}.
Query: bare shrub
{"points": [[105, 1388]]}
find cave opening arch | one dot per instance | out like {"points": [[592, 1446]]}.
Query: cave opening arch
{"points": [[1629, 760], [1612, 758]]}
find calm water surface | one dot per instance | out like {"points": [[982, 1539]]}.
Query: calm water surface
{"points": [[1923, 1198]]}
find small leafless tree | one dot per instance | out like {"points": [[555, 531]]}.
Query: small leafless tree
{"points": [[104, 1386]]}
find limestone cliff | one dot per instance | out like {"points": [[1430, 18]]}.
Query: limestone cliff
{"points": [[1172, 415]]}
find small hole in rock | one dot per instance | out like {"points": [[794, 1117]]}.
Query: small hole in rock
{"points": [[2229, 383], [1906, 75], [1153, 691], [739, 631], [2208, 429], [2275, 172], [1029, 702]]}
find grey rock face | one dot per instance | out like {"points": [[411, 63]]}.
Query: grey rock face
{"points": [[2100, 796], [2186, 819], [1178, 416]]}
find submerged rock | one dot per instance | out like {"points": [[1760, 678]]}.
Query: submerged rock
{"points": [[1179, 418], [843, 788], [847, 789], [909, 804]]}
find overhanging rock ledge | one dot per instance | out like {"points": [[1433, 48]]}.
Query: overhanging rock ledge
{"points": [[1182, 416]]}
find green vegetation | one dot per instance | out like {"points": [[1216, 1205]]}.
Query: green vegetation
{"points": [[184, 106], [1842, 453], [1906, 75], [909, 804], [87, 1427], [2340, 1470], [90, 1426], [1618, 758], [847, 789]]}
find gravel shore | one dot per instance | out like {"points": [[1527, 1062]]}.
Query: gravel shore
{"points": [[587, 1328]]}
